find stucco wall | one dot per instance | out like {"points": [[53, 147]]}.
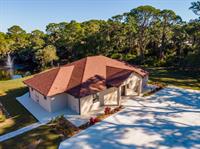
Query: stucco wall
{"points": [[106, 97], [109, 96], [144, 82], [133, 83], [86, 104], [58, 102], [39, 98], [72, 103]]}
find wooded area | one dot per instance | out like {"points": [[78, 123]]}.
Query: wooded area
{"points": [[145, 36]]}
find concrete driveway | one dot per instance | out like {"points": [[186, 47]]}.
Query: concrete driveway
{"points": [[168, 119]]}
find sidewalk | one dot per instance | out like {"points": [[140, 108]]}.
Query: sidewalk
{"points": [[20, 131]]}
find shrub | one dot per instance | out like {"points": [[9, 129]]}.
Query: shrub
{"points": [[107, 110], [94, 120]]}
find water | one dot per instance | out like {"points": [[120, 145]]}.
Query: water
{"points": [[9, 74], [8, 70], [9, 62]]}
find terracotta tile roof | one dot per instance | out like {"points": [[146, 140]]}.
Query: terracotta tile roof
{"points": [[83, 77]]}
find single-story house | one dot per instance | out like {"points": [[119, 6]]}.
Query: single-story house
{"points": [[86, 84]]}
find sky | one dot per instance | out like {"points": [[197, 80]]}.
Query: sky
{"points": [[36, 14]]}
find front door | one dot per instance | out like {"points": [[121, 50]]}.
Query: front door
{"points": [[123, 90]]}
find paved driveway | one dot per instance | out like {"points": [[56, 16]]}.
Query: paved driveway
{"points": [[168, 119]]}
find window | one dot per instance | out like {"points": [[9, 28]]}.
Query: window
{"points": [[45, 97], [95, 98]]}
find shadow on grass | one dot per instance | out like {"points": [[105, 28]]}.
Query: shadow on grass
{"points": [[187, 79], [40, 138], [18, 114]]}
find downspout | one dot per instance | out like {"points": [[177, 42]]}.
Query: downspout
{"points": [[79, 106]]}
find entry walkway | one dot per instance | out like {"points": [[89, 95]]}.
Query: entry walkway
{"points": [[20, 131]]}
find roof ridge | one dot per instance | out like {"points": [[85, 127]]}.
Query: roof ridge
{"points": [[54, 80], [86, 59]]}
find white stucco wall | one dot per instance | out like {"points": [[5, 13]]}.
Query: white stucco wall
{"points": [[133, 82], [106, 97], [58, 102], [109, 96], [39, 98], [72, 103], [144, 82], [86, 104]]}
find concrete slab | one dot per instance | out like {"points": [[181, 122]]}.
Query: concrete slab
{"points": [[167, 119], [44, 116]]}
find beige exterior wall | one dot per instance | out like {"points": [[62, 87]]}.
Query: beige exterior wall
{"points": [[134, 84], [39, 98], [106, 97], [55, 103], [109, 96], [72, 103], [86, 104], [144, 82], [58, 102]]}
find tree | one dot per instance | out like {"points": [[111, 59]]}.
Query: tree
{"points": [[195, 8], [145, 17], [45, 56], [20, 39], [37, 39], [168, 18]]}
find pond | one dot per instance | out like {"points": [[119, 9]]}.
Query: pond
{"points": [[9, 73]]}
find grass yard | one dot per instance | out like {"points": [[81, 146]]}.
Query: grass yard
{"points": [[20, 117], [40, 138], [180, 78]]}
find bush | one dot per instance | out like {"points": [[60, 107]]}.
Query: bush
{"points": [[116, 56], [94, 120], [107, 110]]}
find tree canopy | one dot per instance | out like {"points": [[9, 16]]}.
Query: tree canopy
{"points": [[145, 35]]}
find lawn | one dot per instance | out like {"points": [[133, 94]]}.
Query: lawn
{"points": [[181, 78], [20, 117], [41, 135]]}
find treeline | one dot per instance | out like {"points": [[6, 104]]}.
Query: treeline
{"points": [[145, 36]]}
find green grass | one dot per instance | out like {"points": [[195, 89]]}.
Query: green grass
{"points": [[181, 78], [20, 117], [48, 140]]}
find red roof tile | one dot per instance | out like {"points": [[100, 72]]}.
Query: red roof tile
{"points": [[83, 77]]}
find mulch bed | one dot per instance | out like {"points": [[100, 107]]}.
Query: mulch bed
{"points": [[66, 129], [107, 112]]}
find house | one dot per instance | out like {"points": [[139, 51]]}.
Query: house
{"points": [[86, 84]]}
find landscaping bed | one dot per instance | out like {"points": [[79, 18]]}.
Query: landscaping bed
{"points": [[107, 112]]}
